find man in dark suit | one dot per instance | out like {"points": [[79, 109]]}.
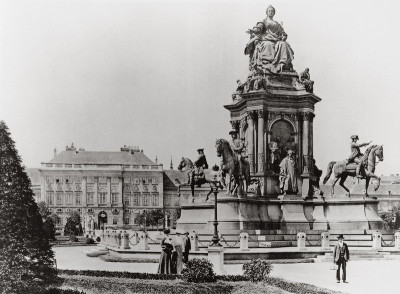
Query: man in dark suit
{"points": [[188, 246], [341, 256]]}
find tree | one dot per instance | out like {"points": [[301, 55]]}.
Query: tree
{"points": [[73, 226], [26, 258], [48, 223], [151, 217]]}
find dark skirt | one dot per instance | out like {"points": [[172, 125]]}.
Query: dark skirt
{"points": [[164, 266]]}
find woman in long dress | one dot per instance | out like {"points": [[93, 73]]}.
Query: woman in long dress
{"points": [[178, 253], [269, 52], [164, 266]]}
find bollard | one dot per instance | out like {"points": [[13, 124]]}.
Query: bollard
{"points": [[120, 236], [397, 241], [301, 240], [135, 238], [194, 241], [126, 240], [376, 240], [325, 240], [115, 241], [244, 241], [143, 241], [108, 238]]}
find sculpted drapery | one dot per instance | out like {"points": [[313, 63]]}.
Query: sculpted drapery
{"points": [[269, 52]]}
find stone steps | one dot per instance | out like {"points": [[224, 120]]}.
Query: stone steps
{"points": [[275, 244]]}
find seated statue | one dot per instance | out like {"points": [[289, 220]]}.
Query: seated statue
{"points": [[304, 78], [268, 50]]}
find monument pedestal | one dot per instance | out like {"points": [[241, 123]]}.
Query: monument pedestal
{"points": [[216, 257]]}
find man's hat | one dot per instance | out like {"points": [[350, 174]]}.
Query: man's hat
{"points": [[200, 149], [340, 236], [186, 233], [354, 137], [233, 131]]}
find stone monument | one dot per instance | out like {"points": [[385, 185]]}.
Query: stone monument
{"points": [[273, 112]]}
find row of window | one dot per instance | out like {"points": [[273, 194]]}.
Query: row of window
{"points": [[127, 221], [137, 199], [78, 180]]}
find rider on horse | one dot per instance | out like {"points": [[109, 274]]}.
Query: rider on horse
{"points": [[200, 165], [237, 146], [356, 154]]}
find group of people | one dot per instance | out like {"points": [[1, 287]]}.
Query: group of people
{"points": [[174, 252]]}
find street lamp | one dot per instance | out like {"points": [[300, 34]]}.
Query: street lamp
{"points": [[215, 178]]}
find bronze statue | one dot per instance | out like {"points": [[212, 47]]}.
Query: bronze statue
{"points": [[195, 171], [268, 50], [356, 154], [368, 162], [288, 174], [238, 170], [239, 91], [304, 78], [274, 155]]}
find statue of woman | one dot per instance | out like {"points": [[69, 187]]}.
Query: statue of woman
{"points": [[269, 52]]}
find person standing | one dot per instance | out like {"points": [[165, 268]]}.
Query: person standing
{"points": [[177, 255], [187, 247], [341, 256], [164, 266]]}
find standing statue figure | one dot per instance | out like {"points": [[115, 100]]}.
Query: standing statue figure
{"points": [[275, 156], [305, 79], [287, 177], [237, 146], [268, 50], [356, 154]]}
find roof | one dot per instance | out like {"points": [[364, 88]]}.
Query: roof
{"points": [[102, 157]]}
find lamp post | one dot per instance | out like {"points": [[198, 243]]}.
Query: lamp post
{"points": [[215, 176]]}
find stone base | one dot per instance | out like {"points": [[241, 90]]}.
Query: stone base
{"points": [[291, 212]]}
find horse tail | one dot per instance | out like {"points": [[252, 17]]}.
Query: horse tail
{"points": [[329, 171]]}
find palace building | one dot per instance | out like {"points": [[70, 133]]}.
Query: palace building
{"points": [[109, 189]]}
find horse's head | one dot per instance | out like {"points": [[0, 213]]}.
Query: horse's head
{"points": [[182, 164], [379, 152]]}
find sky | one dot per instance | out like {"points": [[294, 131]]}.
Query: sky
{"points": [[156, 74]]}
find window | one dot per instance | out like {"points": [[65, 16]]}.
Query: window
{"points": [[90, 197], [90, 210], [127, 199], [136, 181], [127, 220], [59, 199], [59, 210], [115, 221], [136, 199], [103, 180], [154, 199], [78, 198], [68, 198], [77, 180], [146, 199], [50, 198], [102, 197], [58, 179], [59, 221], [68, 180], [50, 179], [114, 198]]}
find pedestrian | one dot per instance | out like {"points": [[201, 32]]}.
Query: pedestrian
{"points": [[177, 254], [164, 266], [187, 247], [341, 256]]}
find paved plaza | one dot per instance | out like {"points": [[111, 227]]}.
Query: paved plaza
{"points": [[363, 276]]}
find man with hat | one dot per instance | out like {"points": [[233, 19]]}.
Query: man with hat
{"points": [[356, 154], [341, 256], [236, 146], [187, 247]]}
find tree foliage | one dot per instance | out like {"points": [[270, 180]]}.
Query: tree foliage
{"points": [[73, 226], [152, 218], [48, 222], [25, 253]]}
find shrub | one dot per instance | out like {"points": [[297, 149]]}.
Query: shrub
{"points": [[89, 241], [62, 291], [98, 239], [128, 275], [198, 271], [257, 269]]}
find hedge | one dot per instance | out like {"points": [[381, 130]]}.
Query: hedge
{"points": [[297, 288], [142, 276]]}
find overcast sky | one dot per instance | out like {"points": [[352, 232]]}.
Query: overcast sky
{"points": [[156, 74]]}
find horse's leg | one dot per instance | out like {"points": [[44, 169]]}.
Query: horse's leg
{"points": [[341, 183], [333, 185], [374, 176], [367, 179]]}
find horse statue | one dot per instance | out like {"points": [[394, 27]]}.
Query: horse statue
{"points": [[195, 174], [368, 162], [238, 173]]}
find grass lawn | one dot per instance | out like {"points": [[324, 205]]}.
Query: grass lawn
{"points": [[111, 285]]}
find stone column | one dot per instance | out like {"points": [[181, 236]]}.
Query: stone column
{"points": [[260, 142], [244, 241], [397, 241], [96, 192], [376, 240], [108, 181], [306, 139], [325, 240], [250, 138], [301, 240], [242, 125], [194, 241], [83, 189]]}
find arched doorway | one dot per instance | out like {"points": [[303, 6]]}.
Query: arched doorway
{"points": [[102, 217]]}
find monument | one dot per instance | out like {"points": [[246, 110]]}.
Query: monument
{"points": [[270, 160]]}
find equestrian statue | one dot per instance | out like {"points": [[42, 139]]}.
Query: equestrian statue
{"points": [[357, 165], [234, 164], [195, 171]]}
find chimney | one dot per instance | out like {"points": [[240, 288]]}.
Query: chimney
{"points": [[171, 166], [55, 152], [156, 160]]}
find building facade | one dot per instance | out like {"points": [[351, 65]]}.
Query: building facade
{"points": [[109, 189]]}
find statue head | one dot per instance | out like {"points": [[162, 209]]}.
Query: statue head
{"points": [[233, 133], [270, 11], [290, 153], [354, 138], [200, 151]]}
